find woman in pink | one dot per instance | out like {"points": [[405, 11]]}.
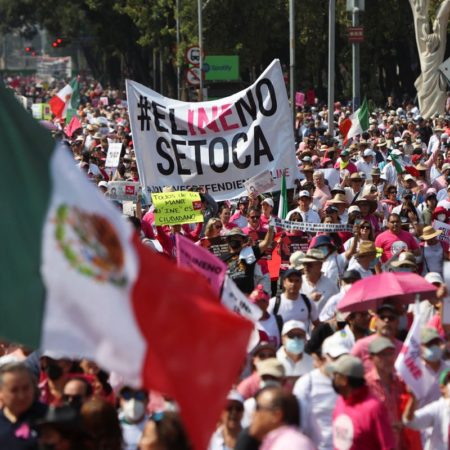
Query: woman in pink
{"points": [[224, 215]]}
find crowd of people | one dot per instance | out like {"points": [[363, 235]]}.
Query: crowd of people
{"points": [[318, 378]]}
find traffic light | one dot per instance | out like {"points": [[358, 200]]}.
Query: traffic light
{"points": [[28, 49], [58, 42]]}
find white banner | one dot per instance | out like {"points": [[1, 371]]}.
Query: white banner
{"points": [[311, 227], [218, 144], [113, 156], [409, 365], [234, 300], [260, 183]]}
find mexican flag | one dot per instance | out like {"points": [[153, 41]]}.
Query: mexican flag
{"points": [[66, 100], [401, 167], [356, 124], [283, 204], [76, 280]]}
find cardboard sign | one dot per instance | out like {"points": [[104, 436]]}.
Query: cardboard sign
{"points": [[104, 101], [217, 144], [176, 208], [113, 156], [218, 246], [445, 235], [123, 190], [291, 243], [300, 99], [235, 300], [201, 260], [260, 183], [409, 365]]}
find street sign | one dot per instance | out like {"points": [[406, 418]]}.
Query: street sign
{"points": [[355, 34], [221, 68], [351, 4], [193, 55], [193, 76]]}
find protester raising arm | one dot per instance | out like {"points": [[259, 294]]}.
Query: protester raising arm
{"points": [[268, 238]]}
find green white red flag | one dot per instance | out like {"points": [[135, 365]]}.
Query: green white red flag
{"points": [[66, 100], [78, 281], [356, 124]]}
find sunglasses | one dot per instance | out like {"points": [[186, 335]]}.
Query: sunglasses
{"points": [[388, 318], [139, 395], [365, 227], [235, 408]]}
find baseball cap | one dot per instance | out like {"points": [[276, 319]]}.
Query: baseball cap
{"points": [[292, 271], [293, 325], [270, 366], [333, 347], [349, 366], [434, 277], [103, 184], [351, 275], [379, 344], [269, 201], [234, 395], [353, 208], [429, 334], [303, 194], [368, 152]]}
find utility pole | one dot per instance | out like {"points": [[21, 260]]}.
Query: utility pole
{"points": [[292, 55], [200, 46], [331, 64], [355, 58], [178, 47]]}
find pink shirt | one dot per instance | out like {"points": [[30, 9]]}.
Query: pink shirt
{"points": [[361, 350], [360, 422], [249, 386], [387, 238], [286, 438]]}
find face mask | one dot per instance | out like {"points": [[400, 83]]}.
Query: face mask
{"points": [[235, 244], [133, 410], [441, 217], [53, 371], [432, 354], [403, 269], [295, 346], [247, 255], [269, 383]]}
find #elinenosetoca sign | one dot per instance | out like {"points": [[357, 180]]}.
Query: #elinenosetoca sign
{"points": [[219, 144]]}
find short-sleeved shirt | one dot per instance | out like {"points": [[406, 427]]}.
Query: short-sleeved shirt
{"points": [[21, 435], [388, 239], [294, 309], [241, 272]]}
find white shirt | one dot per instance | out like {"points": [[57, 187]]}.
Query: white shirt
{"points": [[317, 399], [329, 310], [325, 286], [355, 265], [389, 174], [294, 309], [295, 368], [436, 417], [309, 216], [365, 167], [270, 327], [132, 432], [217, 441], [334, 266]]}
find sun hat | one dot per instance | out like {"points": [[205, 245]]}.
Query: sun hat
{"points": [[366, 248], [379, 344], [429, 233]]}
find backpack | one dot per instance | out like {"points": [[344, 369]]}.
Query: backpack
{"points": [[276, 307]]}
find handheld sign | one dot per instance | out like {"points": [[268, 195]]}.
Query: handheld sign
{"points": [[123, 190], [177, 208], [113, 156], [260, 183]]}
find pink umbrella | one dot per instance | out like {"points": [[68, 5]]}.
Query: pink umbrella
{"points": [[397, 287]]}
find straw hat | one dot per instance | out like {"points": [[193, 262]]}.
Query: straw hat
{"points": [[429, 233], [366, 248], [372, 203], [338, 199], [405, 259]]}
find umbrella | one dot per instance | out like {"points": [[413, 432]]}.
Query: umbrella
{"points": [[397, 287]]}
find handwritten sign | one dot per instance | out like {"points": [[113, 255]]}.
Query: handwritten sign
{"points": [[445, 235], [260, 183], [113, 156], [176, 208]]}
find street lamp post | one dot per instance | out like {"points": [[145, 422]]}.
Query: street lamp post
{"points": [[356, 59], [292, 55], [331, 64], [178, 47], [200, 46]]}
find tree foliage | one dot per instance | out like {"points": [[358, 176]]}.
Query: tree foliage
{"points": [[119, 38]]}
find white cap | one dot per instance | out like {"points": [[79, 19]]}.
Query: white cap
{"points": [[103, 184], [269, 201], [434, 277], [353, 208], [368, 152], [409, 177], [303, 194], [293, 325], [333, 347], [234, 395], [397, 152]]}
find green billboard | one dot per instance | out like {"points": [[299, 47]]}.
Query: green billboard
{"points": [[221, 68]]}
